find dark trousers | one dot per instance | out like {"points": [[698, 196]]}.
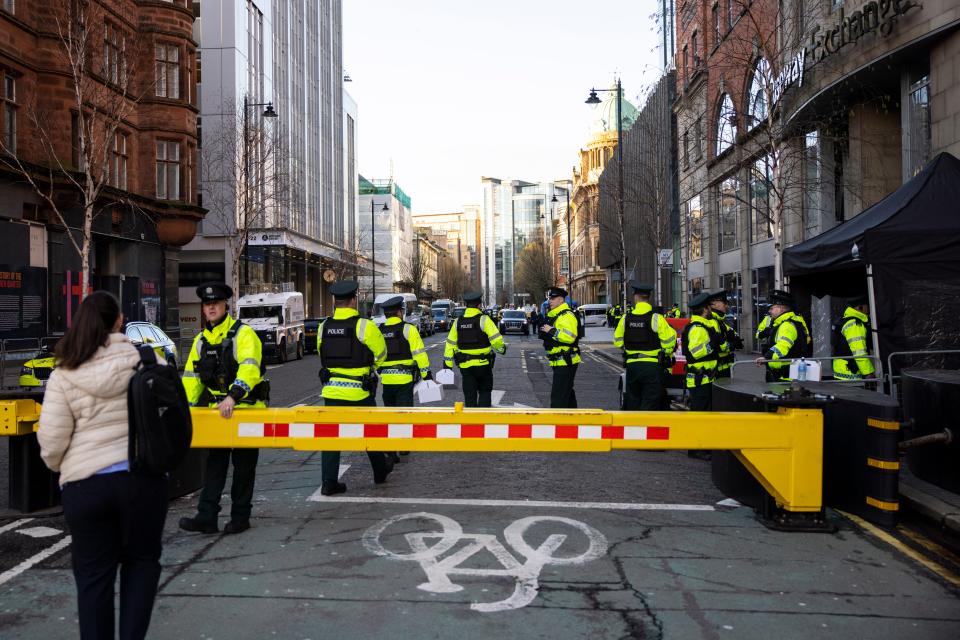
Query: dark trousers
{"points": [[477, 385], [398, 395], [562, 393], [115, 519], [644, 387], [241, 489], [330, 460], [701, 398]]}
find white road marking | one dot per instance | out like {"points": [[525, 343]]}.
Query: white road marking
{"points": [[40, 532], [729, 502], [465, 502], [15, 524], [496, 396], [319, 497], [10, 574]]}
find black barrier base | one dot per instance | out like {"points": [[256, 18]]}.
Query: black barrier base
{"points": [[32, 485], [773, 517]]}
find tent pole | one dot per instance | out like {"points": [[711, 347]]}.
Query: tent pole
{"points": [[874, 329]]}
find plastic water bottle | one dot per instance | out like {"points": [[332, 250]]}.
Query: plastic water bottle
{"points": [[802, 370]]}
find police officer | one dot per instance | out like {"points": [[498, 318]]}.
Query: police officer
{"points": [[471, 343], [350, 348], [406, 360], [674, 311], [850, 342], [648, 342], [704, 344], [561, 339], [791, 338], [764, 334], [732, 340], [224, 370]]}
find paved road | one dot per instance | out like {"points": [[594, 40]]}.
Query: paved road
{"points": [[616, 545]]}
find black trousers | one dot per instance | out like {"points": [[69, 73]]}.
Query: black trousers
{"points": [[644, 387], [241, 489], [701, 398], [330, 460], [398, 395], [115, 520], [477, 385], [562, 393]]}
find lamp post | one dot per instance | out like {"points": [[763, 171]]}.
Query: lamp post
{"points": [[593, 99], [569, 258], [373, 248], [267, 113]]}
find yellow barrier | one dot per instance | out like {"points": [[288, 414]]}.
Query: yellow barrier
{"points": [[783, 450]]}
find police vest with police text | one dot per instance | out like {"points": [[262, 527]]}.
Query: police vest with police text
{"points": [[398, 347], [470, 333], [638, 333], [340, 348]]}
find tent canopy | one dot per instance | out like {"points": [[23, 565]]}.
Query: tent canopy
{"points": [[917, 223]]}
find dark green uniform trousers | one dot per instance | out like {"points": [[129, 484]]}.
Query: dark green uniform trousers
{"points": [[398, 395], [644, 387], [330, 460], [701, 398], [477, 385], [215, 478], [562, 393]]}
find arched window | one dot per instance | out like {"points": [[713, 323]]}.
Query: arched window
{"points": [[726, 124], [757, 98]]}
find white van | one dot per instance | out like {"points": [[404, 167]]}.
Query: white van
{"points": [[411, 308], [278, 320], [594, 315]]}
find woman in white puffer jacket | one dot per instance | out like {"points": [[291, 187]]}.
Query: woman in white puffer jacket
{"points": [[115, 517]]}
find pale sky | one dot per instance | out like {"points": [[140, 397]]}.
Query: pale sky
{"points": [[449, 91]]}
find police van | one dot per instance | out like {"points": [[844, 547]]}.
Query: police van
{"points": [[278, 320]]}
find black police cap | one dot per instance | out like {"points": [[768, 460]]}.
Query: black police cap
{"points": [[719, 294], [557, 292], [856, 301], [700, 300], [212, 291], [344, 290], [778, 296], [392, 304], [472, 296], [640, 287]]}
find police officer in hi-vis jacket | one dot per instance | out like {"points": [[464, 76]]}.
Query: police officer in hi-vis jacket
{"points": [[471, 343]]}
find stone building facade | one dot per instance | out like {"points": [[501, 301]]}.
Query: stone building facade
{"points": [[141, 57]]}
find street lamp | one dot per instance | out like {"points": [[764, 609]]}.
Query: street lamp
{"points": [[267, 113], [593, 99], [373, 247], [554, 200]]}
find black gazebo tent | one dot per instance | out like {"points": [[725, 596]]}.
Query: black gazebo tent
{"points": [[904, 251]]}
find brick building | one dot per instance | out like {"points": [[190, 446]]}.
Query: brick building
{"points": [[139, 76]]}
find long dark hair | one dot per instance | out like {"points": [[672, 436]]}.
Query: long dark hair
{"points": [[89, 331]]}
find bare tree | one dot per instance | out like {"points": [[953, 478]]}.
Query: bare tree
{"points": [[101, 62], [534, 270], [452, 280], [247, 183], [413, 270]]}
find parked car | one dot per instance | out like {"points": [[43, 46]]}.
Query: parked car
{"points": [[514, 320], [146, 333], [441, 319], [36, 371], [310, 328]]}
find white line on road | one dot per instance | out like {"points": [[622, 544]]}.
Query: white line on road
{"points": [[317, 496], [15, 524], [10, 574], [496, 396], [624, 506]]}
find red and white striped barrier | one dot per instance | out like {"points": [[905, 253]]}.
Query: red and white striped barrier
{"points": [[452, 431]]}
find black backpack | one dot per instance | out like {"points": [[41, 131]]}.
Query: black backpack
{"points": [[159, 415]]}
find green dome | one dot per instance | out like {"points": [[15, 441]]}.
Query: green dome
{"points": [[605, 113]]}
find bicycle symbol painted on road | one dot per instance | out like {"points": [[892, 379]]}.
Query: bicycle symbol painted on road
{"points": [[526, 574]]}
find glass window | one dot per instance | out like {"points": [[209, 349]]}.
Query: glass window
{"points": [[168, 170], [762, 285], [694, 229], [761, 181], [8, 6], [730, 282], [727, 210], [726, 124], [167, 71], [716, 25], [918, 120], [757, 99], [9, 113], [134, 334], [695, 50], [114, 62], [811, 185], [118, 164], [695, 286]]}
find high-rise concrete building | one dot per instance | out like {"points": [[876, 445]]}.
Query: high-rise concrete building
{"points": [[286, 178], [464, 238]]}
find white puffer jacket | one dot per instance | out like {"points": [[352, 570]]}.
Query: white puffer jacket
{"points": [[83, 422]]}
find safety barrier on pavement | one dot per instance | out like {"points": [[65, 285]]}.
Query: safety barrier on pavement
{"points": [[783, 450]]}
